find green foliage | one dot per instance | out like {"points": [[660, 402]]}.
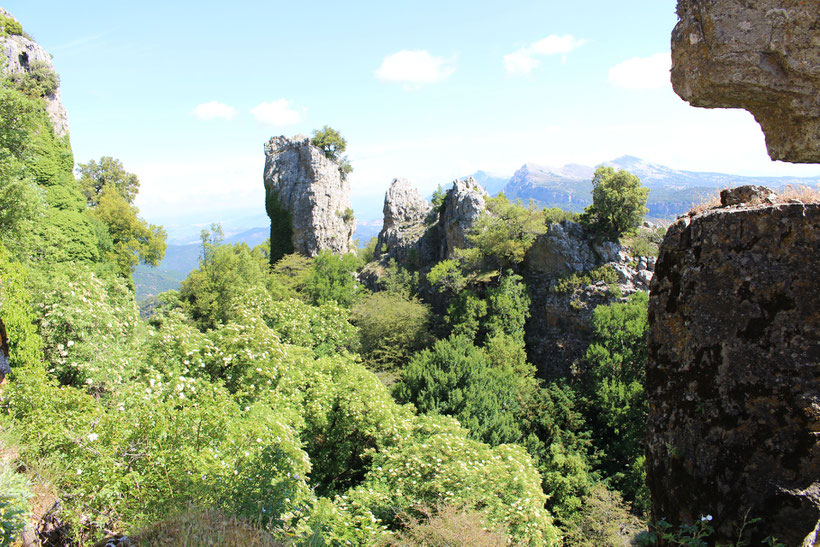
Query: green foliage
{"points": [[281, 227], [439, 196], [348, 216], [504, 233], [392, 327], [288, 276], [15, 493], [466, 313], [437, 463], [325, 329], [602, 519], [110, 174], [368, 252], [132, 239], [333, 278], [618, 202], [39, 80], [399, 281], [572, 282], [225, 272], [25, 344], [333, 146], [10, 27], [646, 241], [617, 406], [555, 215], [85, 323], [446, 277], [508, 307]]}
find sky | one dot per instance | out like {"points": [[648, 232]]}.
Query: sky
{"points": [[187, 93]]}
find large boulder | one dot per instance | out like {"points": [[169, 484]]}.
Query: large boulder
{"points": [[405, 234], [20, 54], [763, 56], [307, 199], [732, 378], [566, 249]]}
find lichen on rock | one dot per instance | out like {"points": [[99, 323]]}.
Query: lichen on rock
{"points": [[732, 378]]}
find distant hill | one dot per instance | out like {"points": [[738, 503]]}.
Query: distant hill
{"points": [[671, 191]]}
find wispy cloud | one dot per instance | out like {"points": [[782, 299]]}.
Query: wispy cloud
{"points": [[415, 67], [280, 112], [642, 72], [527, 59], [78, 43], [213, 110]]}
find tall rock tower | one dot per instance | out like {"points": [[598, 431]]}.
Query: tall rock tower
{"points": [[307, 200]]}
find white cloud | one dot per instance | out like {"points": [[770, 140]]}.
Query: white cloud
{"points": [[281, 112], [642, 72], [525, 60], [214, 109], [415, 67]]}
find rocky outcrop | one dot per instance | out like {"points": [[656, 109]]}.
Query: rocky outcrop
{"points": [[20, 55], [565, 249], [732, 378], [762, 56], [307, 199], [464, 203], [405, 234], [559, 327]]}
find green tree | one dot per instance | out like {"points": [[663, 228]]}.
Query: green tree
{"points": [[225, 272], [39, 80], [131, 239], [616, 400], [392, 327], [503, 234], [333, 146], [333, 278], [618, 202], [108, 173]]}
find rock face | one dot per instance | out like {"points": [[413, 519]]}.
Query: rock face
{"points": [[464, 203], [406, 221], [763, 56], [20, 54], [4, 353], [306, 196], [732, 378], [559, 328]]}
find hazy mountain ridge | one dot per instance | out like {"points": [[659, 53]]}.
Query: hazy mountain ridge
{"points": [[672, 191]]}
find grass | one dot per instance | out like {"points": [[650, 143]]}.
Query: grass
{"points": [[787, 194]]}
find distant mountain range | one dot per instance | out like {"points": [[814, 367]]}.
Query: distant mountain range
{"points": [[671, 191]]}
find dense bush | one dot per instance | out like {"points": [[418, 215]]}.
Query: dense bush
{"points": [[392, 328], [39, 80], [618, 202]]}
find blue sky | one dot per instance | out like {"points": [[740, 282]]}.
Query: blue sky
{"points": [[185, 94]]}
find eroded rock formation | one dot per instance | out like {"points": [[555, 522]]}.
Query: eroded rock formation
{"points": [[763, 56], [464, 203], [407, 219], [21, 54], [732, 378], [307, 199]]}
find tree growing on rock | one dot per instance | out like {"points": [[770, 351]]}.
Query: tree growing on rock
{"points": [[333, 146], [618, 202]]}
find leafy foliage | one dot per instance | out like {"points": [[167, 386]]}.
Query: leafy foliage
{"points": [[10, 27], [333, 146], [504, 233], [333, 278], [108, 174], [618, 202], [617, 401], [392, 327], [38, 80]]}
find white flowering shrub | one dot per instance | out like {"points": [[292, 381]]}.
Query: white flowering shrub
{"points": [[438, 464], [84, 321]]}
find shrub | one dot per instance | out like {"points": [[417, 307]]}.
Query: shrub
{"points": [[618, 202], [10, 27], [39, 80], [392, 327], [447, 526]]}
